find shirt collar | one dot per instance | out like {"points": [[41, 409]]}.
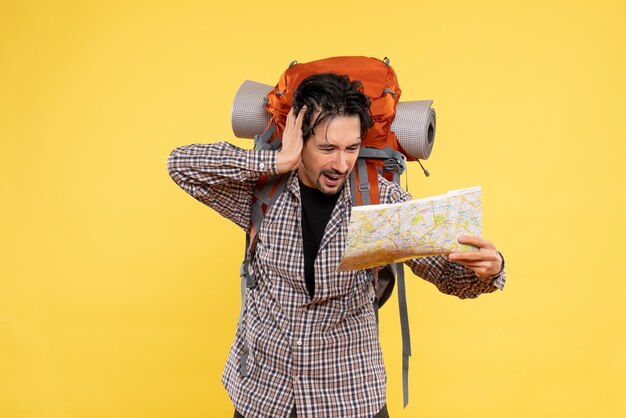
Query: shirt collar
{"points": [[294, 187]]}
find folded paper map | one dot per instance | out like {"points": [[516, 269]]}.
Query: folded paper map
{"points": [[383, 234]]}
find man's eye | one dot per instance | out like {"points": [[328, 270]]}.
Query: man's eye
{"points": [[354, 149]]}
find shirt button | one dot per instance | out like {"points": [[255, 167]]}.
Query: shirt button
{"points": [[262, 166], [299, 342]]}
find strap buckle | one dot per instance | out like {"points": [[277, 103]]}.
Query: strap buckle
{"points": [[393, 164], [250, 281]]}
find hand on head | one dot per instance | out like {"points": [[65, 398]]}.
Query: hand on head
{"points": [[289, 157]]}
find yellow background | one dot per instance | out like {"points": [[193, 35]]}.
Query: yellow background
{"points": [[119, 293]]}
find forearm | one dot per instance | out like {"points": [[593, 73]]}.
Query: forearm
{"points": [[200, 165], [453, 278], [221, 176]]}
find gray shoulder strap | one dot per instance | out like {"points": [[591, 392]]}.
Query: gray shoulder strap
{"points": [[261, 141], [406, 335], [364, 184]]}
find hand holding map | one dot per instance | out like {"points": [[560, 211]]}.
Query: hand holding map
{"points": [[383, 234]]}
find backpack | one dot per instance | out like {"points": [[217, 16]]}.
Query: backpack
{"points": [[381, 154]]}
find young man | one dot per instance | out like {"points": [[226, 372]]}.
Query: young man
{"points": [[308, 337]]}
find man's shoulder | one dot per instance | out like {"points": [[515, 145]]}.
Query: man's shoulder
{"points": [[391, 192]]}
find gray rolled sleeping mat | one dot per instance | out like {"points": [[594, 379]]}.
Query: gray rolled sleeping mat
{"points": [[414, 124]]}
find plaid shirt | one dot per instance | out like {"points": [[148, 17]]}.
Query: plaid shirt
{"points": [[321, 354]]}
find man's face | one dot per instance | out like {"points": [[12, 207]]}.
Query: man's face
{"points": [[330, 154]]}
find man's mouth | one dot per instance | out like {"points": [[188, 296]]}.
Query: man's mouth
{"points": [[332, 179]]}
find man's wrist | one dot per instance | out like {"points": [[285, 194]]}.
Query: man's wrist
{"points": [[496, 275], [286, 163], [263, 161]]}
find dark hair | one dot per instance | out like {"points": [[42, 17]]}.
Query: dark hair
{"points": [[332, 95]]}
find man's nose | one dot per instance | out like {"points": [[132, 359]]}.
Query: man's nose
{"points": [[341, 163]]}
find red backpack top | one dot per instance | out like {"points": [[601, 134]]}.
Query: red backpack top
{"points": [[380, 85]]}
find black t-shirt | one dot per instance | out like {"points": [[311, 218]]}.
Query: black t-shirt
{"points": [[316, 210]]}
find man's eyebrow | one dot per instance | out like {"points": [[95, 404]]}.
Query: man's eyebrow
{"points": [[327, 143]]}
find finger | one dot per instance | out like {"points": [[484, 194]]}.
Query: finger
{"points": [[476, 241], [300, 117], [487, 266], [475, 265], [469, 256], [290, 118], [482, 268]]}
